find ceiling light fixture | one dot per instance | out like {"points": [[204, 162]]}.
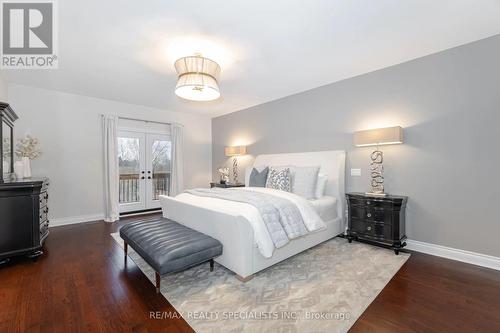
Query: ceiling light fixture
{"points": [[197, 78]]}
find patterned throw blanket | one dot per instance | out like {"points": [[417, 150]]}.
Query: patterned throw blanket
{"points": [[281, 216]]}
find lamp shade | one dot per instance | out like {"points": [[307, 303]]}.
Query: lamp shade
{"points": [[197, 78], [379, 136], [235, 150]]}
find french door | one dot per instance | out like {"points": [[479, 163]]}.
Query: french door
{"points": [[144, 165]]}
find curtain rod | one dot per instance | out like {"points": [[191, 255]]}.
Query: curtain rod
{"points": [[152, 121]]}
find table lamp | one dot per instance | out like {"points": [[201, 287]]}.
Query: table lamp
{"points": [[378, 137], [234, 152]]}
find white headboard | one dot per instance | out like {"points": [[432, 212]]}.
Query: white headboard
{"points": [[331, 162]]}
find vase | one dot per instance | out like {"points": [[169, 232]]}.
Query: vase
{"points": [[27, 167], [19, 169]]}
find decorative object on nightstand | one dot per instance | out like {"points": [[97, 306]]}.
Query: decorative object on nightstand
{"points": [[226, 185], [378, 137], [379, 220], [224, 174], [234, 152]]}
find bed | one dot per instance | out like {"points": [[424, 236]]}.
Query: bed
{"points": [[223, 220]]}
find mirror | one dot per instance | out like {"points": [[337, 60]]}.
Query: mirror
{"points": [[6, 148], [7, 119]]}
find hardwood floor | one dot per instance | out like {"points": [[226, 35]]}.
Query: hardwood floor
{"points": [[81, 284], [432, 294]]}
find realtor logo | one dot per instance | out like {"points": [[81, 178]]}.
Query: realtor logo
{"points": [[28, 35]]}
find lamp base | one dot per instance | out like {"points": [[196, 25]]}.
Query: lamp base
{"points": [[235, 170], [374, 194]]}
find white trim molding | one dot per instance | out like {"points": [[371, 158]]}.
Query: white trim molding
{"points": [[75, 219], [57, 222], [469, 257]]}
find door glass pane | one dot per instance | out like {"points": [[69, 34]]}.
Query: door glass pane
{"points": [[129, 164], [161, 168]]}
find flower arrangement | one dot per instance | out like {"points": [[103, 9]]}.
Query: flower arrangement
{"points": [[28, 147], [224, 174]]}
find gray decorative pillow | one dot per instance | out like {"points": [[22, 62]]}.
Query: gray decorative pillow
{"points": [[258, 179], [279, 179]]}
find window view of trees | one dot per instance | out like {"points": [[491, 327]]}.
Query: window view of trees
{"points": [[161, 156], [128, 155], [129, 161]]}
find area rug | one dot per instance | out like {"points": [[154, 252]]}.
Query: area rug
{"points": [[324, 289]]}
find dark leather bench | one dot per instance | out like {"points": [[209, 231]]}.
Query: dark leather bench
{"points": [[168, 246]]}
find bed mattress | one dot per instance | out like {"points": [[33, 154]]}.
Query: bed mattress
{"points": [[326, 207]]}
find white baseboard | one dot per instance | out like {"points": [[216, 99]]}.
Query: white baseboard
{"points": [[57, 222], [455, 254], [75, 219]]}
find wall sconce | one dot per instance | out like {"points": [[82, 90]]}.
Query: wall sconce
{"points": [[234, 152], [378, 137]]}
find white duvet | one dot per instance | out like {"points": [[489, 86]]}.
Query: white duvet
{"points": [[262, 238]]}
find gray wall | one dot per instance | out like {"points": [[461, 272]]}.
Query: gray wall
{"points": [[3, 89], [449, 165]]}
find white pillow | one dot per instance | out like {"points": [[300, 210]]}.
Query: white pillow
{"points": [[305, 180], [321, 185]]}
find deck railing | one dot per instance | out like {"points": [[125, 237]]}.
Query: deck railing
{"points": [[129, 186], [161, 184]]}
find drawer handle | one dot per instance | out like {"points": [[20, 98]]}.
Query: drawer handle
{"points": [[368, 228], [369, 215], [368, 202]]}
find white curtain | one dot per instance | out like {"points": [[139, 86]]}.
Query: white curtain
{"points": [[111, 172], [177, 182]]}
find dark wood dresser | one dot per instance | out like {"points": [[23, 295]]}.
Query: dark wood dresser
{"points": [[377, 219], [24, 223]]}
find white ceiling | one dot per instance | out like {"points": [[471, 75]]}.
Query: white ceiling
{"points": [[124, 49]]}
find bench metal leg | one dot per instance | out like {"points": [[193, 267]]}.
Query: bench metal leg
{"points": [[211, 265], [125, 248], [158, 282]]}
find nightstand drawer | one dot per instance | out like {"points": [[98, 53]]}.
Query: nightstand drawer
{"points": [[371, 229], [370, 214], [370, 202]]}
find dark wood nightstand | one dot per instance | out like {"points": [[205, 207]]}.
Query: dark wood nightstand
{"points": [[377, 219], [226, 185]]}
